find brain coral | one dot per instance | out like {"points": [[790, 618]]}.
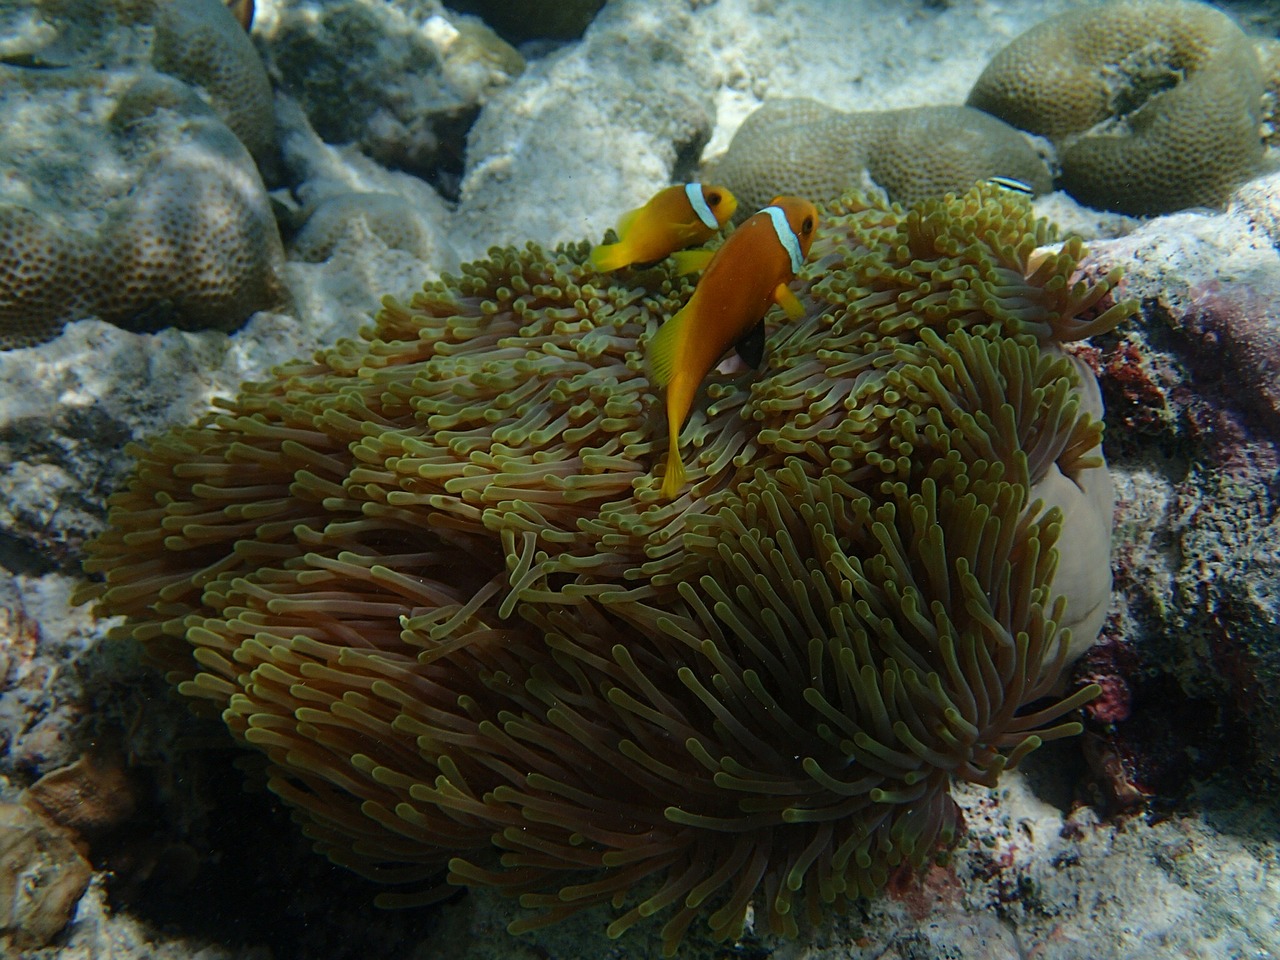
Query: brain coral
{"points": [[1154, 105], [387, 216], [151, 214], [805, 148], [201, 42], [198, 41], [428, 575], [1268, 51]]}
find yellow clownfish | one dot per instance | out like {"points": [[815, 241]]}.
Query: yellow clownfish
{"points": [[675, 218], [747, 275]]}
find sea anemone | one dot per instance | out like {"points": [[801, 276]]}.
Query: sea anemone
{"points": [[429, 577]]}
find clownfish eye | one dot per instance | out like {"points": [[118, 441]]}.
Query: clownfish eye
{"points": [[807, 226], [713, 199]]}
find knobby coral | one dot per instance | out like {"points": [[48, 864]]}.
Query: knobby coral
{"points": [[1154, 105], [802, 147], [429, 576], [192, 243]]}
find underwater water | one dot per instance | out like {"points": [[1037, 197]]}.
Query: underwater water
{"points": [[639, 478]]}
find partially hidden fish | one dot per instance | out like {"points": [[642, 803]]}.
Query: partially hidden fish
{"points": [[242, 10], [674, 218], [743, 279], [1012, 185]]}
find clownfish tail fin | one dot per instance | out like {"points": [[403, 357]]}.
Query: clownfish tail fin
{"points": [[673, 479]]}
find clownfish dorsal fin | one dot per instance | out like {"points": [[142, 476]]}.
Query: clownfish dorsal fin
{"points": [[691, 261], [788, 301], [625, 221]]}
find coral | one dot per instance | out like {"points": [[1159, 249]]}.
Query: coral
{"points": [[1135, 399], [1234, 324], [242, 10], [1268, 51], [534, 19], [197, 41], [582, 138], [168, 221], [36, 710], [1198, 566], [1207, 377], [91, 796], [42, 875], [403, 87], [385, 216], [429, 578], [36, 259], [202, 43], [805, 148], [194, 211], [1154, 105]]}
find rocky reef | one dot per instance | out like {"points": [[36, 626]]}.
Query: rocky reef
{"points": [[451, 142]]}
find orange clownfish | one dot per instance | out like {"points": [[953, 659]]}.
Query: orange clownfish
{"points": [[746, 276], [675, 218]]}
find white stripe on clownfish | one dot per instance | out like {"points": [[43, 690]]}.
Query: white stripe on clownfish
{"points": [[1012, 185], [699, 203], [786, 237]]}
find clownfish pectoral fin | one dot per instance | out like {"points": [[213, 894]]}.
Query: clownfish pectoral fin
{"points": [[602, 257], [625, 221], [788, 301], [691, 261], [609, 257], [660, 354], [751, 346]]}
